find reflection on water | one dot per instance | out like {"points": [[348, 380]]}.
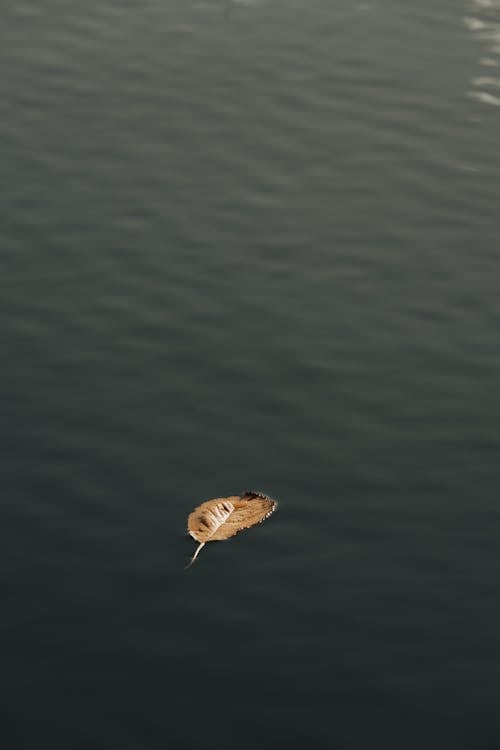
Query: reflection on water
{"points": [[485, 25]]}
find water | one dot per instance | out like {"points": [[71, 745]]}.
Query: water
{"points": [[250, 245]]}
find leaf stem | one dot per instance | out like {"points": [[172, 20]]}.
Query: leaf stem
{"points": [[198, 549]]}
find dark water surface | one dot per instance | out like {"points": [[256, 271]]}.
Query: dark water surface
{"points": [[250, 245]]}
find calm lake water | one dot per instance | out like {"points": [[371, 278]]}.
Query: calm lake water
{"points": [[250, 245]]}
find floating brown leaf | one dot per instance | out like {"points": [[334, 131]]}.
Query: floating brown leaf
{"points": [[224, 517]]}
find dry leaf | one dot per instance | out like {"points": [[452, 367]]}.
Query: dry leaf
{"points": [[224, 517]]}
